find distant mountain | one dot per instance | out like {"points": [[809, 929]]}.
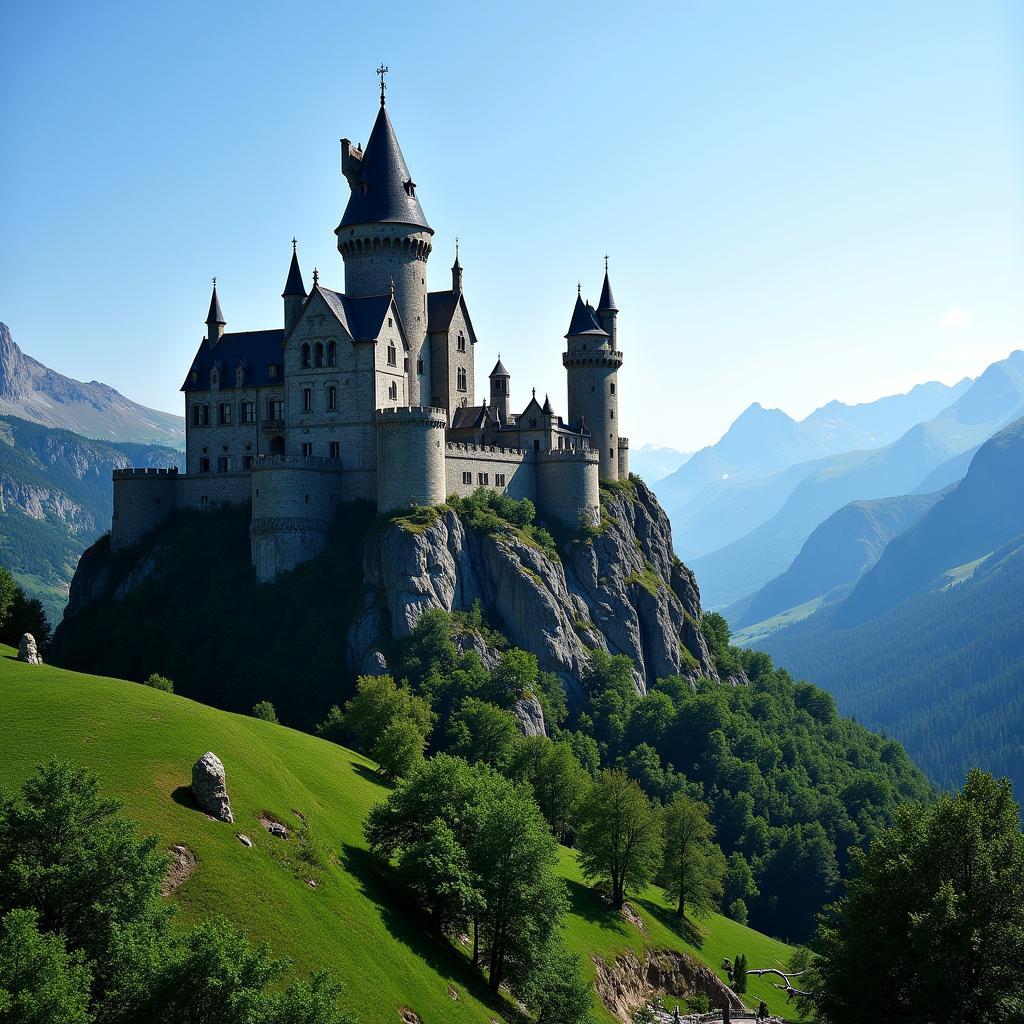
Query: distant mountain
{"points": [[928, 645], [34, 392], [745, 565], [653, 462], [56, 499], [761, 442], [837, 553]]}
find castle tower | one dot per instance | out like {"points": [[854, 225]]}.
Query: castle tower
{"points": [[294, 293], [607, 311], [457, 272], [215, 322], [591, 363], [384, 236], [501, 382]]}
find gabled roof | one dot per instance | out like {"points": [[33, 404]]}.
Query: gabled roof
{"points": [[606, 304], [470, 416], [584, 321], [256, 350], [532, 405], [499, 370], [385, 191], [294, 284], [441, 308], [361, 317]]}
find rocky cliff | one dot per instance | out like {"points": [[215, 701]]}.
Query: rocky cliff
{"points": [[619, 589]]}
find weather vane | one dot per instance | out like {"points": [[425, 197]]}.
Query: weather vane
{"points": [[382, 71]]}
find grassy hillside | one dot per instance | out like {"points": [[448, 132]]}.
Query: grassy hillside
{"points": [[142, 744]]}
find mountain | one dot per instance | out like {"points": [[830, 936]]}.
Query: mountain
{"points": [[762, 442], [742, 567], [56, 499], [837, 553], [654, 462], [34, 392], [928, 644]]}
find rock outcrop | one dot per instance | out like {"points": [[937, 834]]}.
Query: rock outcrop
{"points": [[209, 787], [627, 983], [27, 650], [621, 589]]}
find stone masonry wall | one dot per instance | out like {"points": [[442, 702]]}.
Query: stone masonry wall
{"points": [[512, 463]]}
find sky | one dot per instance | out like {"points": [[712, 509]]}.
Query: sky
{"points": [[799, 201]]}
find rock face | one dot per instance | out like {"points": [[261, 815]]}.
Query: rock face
{"points": [[628, 982], [27, 650], [209, 786], [622, 591]]}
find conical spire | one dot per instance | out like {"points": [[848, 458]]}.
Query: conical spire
{"points": [[215, 318], [583, 320], [499, 369], [294, 285], [547, 410], [606, 304], [382, 187]]}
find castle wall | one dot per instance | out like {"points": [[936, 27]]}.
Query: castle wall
{"points": [[593, 396], [143, 499], [235, 441], [567, 487], [293, 503], [513, 464], [410, 457], [213, 489], [623, 458]]}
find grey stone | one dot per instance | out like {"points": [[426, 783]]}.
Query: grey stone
{"points": [[27, 650], [361, 653], [209, 786], [530, 716], [244, 840]]}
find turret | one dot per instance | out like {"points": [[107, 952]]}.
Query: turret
{"points": [[384, 235], [294, 293], [607, 311], [500, 390], [215, 322], [457, 272]]}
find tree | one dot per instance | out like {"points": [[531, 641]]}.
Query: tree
{"points": [[399, 748], [693, 866], [931, 928], [738, 884], [557, 989], [481, 731], [40, 982], [611, 697], [378, 702], [619, 837], [265, 711], [513, 677], [25, 615], [159, 682], [8, 589]]}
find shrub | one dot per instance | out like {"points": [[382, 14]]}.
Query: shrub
{"points": [[159, 682], [265, 711]]}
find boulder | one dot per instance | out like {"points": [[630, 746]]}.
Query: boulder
{"points": [[27, 650], [530, 716], [209, 786]]}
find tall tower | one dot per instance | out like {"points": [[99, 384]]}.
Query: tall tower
{"points": [[215, 322], [591, 363], [501, 382], [294, 293], [384, 236]]}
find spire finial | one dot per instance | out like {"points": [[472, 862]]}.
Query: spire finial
{"points": [[534, 392], [215, 282], [382, 71], [316, 277], [295, 242], [391, 287], [606, 263], [456, 248], [579, 288]]}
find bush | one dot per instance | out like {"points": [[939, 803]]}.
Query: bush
{"points": [[698, 1003], [737, 911], [159, 682], [265, 711]]}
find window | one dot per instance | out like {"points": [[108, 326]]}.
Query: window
{"points": [[214, 379], [611, 414], [390, 322], [307, 399], [467, 478], [499, 479], [460, 343], [224, 416], [332, 353], [419, 366], [206, 416], [197, 415], [248, 412], [306, 360], [318, 354], [405, 364], [275, 409], [393, 392], [482, 479], [307, 449], [332, 398], [611, 454], [460, 377], [536, 446], [247, 461], [222, 464], [204, 465], [335, 449], [533, 421], [612, 386], [239, 376], [272, 370], [392, 354]]}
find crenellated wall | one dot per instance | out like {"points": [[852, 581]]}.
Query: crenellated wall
{"points": [[568, 491], [514, 464], [410, 457], [143, 499]]}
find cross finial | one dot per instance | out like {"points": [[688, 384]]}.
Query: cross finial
{"points": [[316, 276], [215, 282], [456, 248], [382, 71], [295, 242], [606, 263]]}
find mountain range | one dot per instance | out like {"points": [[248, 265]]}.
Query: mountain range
{"points": [[32, 391]]}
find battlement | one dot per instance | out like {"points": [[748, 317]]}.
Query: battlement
{"points": [[570, 454], [397, 415], [130, 472], [457, 448], [599, 357]]}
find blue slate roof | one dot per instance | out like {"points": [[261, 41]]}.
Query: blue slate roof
{"points": [[499, 370], [255, 350], [385, 191], [441, 308], [294, 285], [215, 316], [584, 321], [606, 304]]}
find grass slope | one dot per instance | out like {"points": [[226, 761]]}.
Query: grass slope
{"points": [[142, 744]]}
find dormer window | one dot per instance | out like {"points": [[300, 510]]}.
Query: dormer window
{"points": [[194, 376], [214, 379], [239, 376], [272, 370], [410, 188]]}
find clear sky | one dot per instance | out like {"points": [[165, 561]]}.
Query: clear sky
{"points": [[801, 201]]}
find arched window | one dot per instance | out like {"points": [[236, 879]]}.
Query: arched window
{"points": [[306, 362], [332, 353], [392, 354], [332, 398], [461, 342], [461, 378], [319, 354], [393, 392]]}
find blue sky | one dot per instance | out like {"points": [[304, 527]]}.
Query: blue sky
{"points": [[801, 201]]}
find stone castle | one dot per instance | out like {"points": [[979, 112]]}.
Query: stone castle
{"points": [[368, 394]]}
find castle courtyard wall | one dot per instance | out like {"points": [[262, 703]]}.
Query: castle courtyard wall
{"points": [[491, 462]]}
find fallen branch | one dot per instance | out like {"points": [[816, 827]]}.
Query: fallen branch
{"points": [[788, 987]]}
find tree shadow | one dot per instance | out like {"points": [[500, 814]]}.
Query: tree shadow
{"points": [[365, 772], [408, 927], [586, 903], [686, 929]]}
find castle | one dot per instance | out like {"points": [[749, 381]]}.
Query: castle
{"points": [[369, 394]]}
